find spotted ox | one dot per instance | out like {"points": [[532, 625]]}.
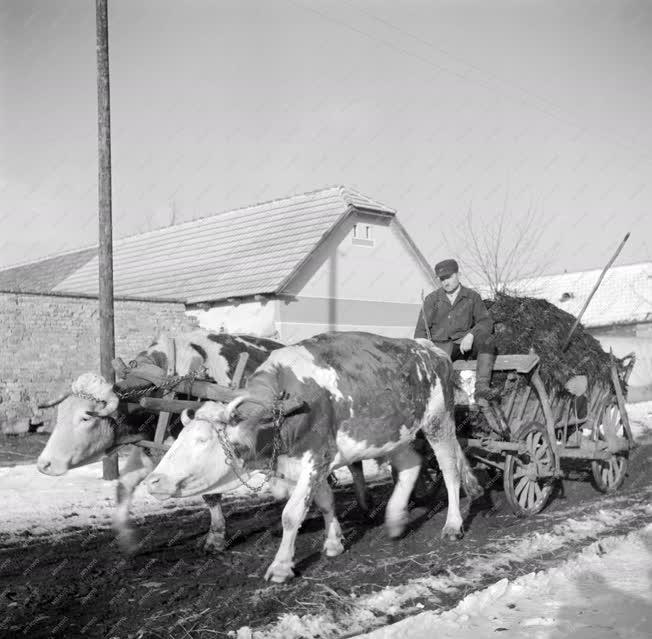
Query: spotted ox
{"points": [[91, 422], [357, 396]]}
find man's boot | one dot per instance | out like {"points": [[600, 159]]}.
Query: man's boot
{"points": [[484, 368]]}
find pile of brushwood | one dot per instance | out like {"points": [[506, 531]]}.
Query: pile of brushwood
{"points": [[522, 323]]}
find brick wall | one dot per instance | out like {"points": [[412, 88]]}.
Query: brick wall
{"points": [[47, 341]]}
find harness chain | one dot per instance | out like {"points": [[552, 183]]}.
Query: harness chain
{"points": [[171, 382], [278, 416], [232, 459]]}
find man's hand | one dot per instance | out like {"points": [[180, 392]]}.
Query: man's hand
{"points": [[467, 343]]}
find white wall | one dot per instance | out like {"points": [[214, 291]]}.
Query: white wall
{"points": [[627, 339], [252, 318], [387, 271]]}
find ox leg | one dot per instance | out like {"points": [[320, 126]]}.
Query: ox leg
{"points": [[215, 538], [360, 488], [446, 453], [293, 515], [407, 464], [138, 466], [326, 503]]}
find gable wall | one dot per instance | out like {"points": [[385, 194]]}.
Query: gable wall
{"points": [[357, 287]]}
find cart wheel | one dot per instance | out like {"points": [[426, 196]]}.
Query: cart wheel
{"points": [[526, 491], [609, 474]]}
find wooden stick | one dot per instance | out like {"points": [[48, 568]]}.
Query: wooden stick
{"points": [[167, 405], [425, 319], [620, 397], [595, 288]]}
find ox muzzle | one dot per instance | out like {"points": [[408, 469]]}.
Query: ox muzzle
{"points": [[163, 486]]}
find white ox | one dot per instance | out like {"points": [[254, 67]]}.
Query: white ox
{"points": [[357, 396]]}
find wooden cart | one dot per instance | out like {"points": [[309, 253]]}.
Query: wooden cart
{"points": [[527, 435], [534, 436]]}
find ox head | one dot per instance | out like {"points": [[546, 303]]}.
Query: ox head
{"points": [[84, 430], [202, 457]]}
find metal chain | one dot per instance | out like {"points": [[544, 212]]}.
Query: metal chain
{"points": [[170, 382], [278, 416], [232, 459]]}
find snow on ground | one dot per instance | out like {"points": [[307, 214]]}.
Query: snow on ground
{"points": [[502, 554], [36, 504], [603, 593]]}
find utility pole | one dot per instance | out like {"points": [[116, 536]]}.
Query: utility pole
{"points": [[105, 256]]}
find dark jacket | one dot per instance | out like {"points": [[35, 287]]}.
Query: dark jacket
{"points": [[446, 322]]}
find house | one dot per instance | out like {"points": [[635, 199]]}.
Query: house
{"points": [[290, 268], [619, 314]]}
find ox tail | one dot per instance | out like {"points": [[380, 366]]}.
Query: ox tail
{"points": [[470, 482]]}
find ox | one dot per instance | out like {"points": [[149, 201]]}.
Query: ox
{"points": [[91, 422], [360, 396]]}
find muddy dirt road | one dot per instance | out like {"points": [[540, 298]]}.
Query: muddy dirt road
{"points": [[83, 587]]}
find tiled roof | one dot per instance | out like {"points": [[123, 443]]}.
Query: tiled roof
{"points": [[244, 252], [41, 276], [624, 296]]}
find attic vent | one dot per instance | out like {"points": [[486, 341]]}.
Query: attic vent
{"points": [[566, 296], [362, 235]]}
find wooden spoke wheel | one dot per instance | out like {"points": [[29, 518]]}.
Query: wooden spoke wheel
{"points": [[527, 479], [609, 474]]}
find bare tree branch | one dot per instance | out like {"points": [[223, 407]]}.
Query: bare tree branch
{"points": [[503, 255]]}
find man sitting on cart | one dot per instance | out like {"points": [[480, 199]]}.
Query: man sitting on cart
{"points": [[455, 318]]}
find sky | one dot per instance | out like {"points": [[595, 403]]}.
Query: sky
{"points": [[440, 109]]}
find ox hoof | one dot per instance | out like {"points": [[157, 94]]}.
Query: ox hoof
{"points": [[127, 544], [279, 572], [333, 548], [453, 533], [396, 528], [214, 544]]}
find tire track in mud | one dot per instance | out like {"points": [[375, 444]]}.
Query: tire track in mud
{"points": [[83, 587]]}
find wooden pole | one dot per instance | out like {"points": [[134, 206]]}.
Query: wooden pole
{"points": [[595, 288], [425, 319], [105, 256]]}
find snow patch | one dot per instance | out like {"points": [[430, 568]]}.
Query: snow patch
{"points": [[603, 593], [497, 556]]}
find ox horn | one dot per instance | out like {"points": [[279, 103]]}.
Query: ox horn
{"points": [[110, 405], [55, 402]]}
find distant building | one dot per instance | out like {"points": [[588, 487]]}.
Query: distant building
{"points": [[619, 315], [332, 259]]}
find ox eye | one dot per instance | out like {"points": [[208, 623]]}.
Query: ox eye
{"points": [[202, 440]]}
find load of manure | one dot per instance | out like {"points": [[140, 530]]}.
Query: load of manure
{"points": [[522, 323]]}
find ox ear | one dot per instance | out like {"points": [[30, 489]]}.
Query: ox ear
{"points": [[187, 415]]}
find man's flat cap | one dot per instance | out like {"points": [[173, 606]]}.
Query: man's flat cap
{"points": [[446, 268]]}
